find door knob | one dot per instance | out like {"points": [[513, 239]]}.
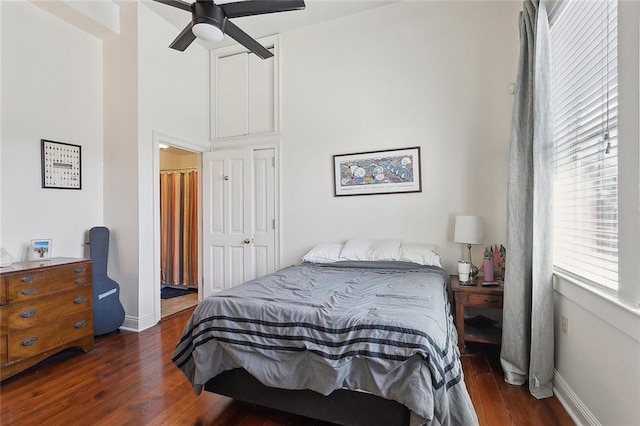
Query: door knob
{"points": [[247, 241]]}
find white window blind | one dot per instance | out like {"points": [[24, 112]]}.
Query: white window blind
{"points": [[585, 116]]}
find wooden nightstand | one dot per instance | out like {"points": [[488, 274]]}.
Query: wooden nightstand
{"points": [[475, 296]]}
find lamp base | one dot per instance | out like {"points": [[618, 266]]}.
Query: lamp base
{"points": [[471, 282], [474, 269]]}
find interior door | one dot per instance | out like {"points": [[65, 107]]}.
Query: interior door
{"points": [[238, 217], [264, 222]]}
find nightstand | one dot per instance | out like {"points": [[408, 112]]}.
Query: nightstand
{"points": [[475, 296]]}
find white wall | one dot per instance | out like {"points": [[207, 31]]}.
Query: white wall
{"points": [[121, 156], [51, 89], [149, 88], [428, 74], [173, 100]]}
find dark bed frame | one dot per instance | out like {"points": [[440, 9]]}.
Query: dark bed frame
{"points": [[341, 406]]}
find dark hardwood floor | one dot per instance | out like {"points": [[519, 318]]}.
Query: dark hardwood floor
{"points": [[128, 379]]}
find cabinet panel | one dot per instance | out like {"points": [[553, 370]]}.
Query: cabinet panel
{"points": [[244, 92], [3, 291], [261, 95], [232, 95]]}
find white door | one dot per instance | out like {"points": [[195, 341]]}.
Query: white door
{"points": [[238, 217], [264, 208]]}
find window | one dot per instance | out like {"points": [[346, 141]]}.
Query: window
{"points": [[585, 111]]}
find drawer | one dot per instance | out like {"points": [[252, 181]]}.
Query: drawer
{"points": [[40, 310], [32, 341], [484, 300], [30, 284]]}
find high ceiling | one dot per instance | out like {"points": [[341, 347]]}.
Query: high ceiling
{"points": [[101, 17], [264, 25]]}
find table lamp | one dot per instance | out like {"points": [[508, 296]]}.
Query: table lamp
{"points": [[469, 230]]}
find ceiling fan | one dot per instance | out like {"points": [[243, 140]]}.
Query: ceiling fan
{"points": [[210, 21]]}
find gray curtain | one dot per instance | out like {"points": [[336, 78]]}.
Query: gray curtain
{"points": [[527, 334]]}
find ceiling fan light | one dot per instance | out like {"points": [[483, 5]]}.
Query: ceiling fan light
{"points": [[207, 32]]}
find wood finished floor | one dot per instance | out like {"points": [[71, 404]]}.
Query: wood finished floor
{"points": [[177, 304], [128, 379]]}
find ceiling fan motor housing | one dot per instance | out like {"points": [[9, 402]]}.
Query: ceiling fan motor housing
{"points": [[207, 13]]}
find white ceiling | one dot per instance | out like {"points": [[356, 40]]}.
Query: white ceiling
{"points": [[276, 23]]}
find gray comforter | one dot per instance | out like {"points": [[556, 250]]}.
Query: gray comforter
{"points": [[382, 327]]}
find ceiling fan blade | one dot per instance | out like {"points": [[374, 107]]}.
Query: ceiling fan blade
{"points": [[183, 40], [177, 3], [245, 39], [260, 7]]}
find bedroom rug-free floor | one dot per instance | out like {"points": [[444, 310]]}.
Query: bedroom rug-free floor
{"points": [[128, 378]]}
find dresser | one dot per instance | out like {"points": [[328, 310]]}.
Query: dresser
{"points": [[45, 307]]}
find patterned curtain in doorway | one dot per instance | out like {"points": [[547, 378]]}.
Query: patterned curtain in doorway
{"points": [[179, 227]]}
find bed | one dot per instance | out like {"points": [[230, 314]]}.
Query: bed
{"points": [[355, 342]]}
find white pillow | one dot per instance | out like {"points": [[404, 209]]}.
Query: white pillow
{"points": [[323, 253], [420, 253], [369, 249]]}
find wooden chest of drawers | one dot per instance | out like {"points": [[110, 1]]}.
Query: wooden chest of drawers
{"points": [[45, 307]]}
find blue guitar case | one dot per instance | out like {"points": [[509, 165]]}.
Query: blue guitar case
{"points": [[108, 313]]}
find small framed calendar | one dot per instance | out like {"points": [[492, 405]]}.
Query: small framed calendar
{"points": [[61, 165]]}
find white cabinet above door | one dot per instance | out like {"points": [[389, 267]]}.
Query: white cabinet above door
{"points": [[244, 92], [231, 96]]}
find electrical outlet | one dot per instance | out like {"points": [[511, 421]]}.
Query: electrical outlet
{"points": [[565, 325]]}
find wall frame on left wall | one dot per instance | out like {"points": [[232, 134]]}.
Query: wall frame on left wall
{"points": [[61, 165]]}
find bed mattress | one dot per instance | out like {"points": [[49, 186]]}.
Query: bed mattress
{"points": [[378, 327]]}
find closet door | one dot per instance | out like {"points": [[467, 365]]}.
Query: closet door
{"points": [[238, 203], [244, 95], [264, 212], [262, 109], [232, 101]]}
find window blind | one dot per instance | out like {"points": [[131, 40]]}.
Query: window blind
{"points": [[585, 117]]}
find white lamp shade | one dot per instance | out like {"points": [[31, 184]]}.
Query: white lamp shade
{"points": [[469, 230], [207, 32]]}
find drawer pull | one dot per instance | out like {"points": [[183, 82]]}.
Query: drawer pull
{"points": [[28, 291], [80, 324], [28, 342], [79, 269], [28, 314], [80, 280], [80, 299], [27, 279]]}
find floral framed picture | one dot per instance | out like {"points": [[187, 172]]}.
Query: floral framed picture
{"points": [[61, 165], [378, 172], [40, 250]]}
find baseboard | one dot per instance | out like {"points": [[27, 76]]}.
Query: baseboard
{"points": [[576, 409], [137, 324]]}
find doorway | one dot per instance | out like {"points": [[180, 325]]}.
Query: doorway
{"points": [[179, 229]]}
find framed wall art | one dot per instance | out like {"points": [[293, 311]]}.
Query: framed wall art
{"points": [[61, 165], [40, 250], [378, 172]]}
